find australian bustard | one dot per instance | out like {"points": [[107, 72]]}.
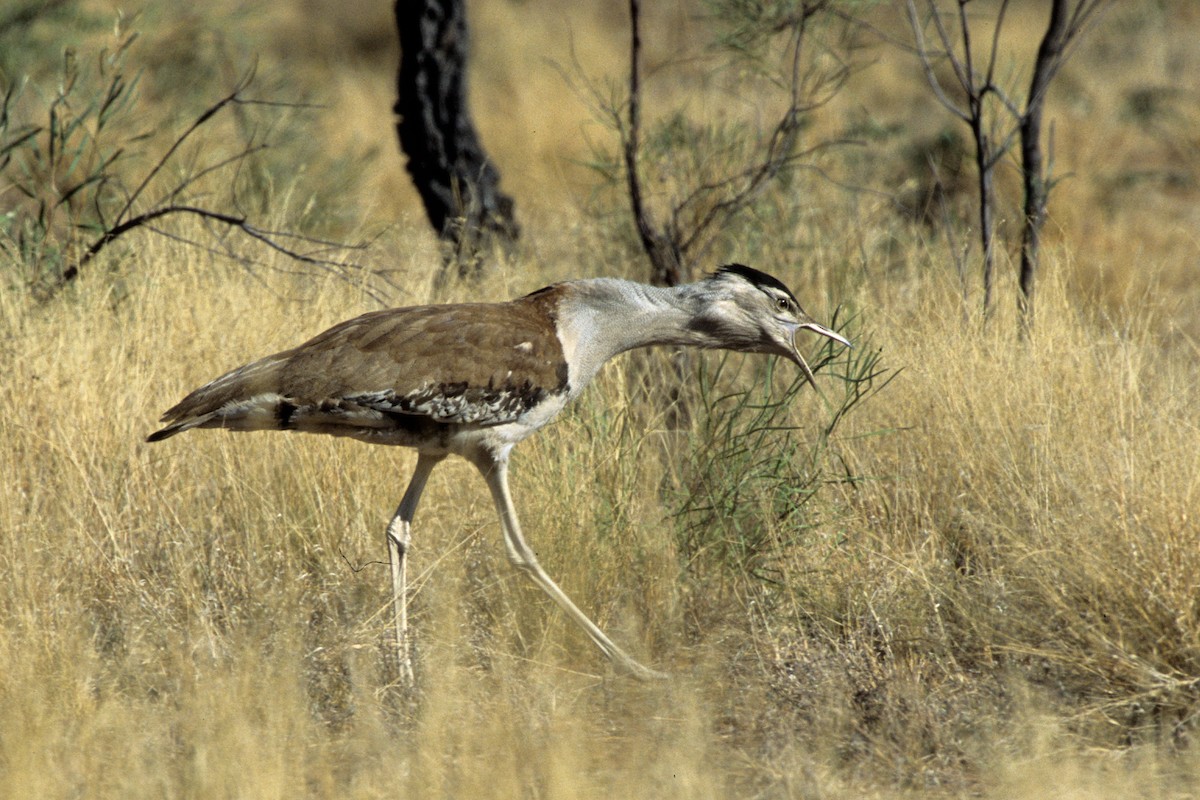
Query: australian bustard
{"points": [[474, 379]]}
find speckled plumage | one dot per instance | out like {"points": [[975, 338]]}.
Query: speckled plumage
{"points": [[388, 373]]}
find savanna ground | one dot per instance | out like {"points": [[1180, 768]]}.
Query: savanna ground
{"points": [[983, 582]]}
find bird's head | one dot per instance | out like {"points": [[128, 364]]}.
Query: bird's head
{"points": [[750, 311]]}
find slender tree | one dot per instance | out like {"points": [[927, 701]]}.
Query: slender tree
{"points": [[666, 267], [975, 87], [1067, 20], [996, 121]]}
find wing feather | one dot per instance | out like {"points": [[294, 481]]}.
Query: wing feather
{"points": [[479, 363]]}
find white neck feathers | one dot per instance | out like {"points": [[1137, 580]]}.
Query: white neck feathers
{"points": [[603, 317]]}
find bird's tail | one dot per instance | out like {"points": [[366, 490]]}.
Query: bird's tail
{"points": [[243, 399], [168, 432]]}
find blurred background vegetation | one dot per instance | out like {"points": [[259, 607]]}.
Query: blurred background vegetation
{"points": [[974, 574]]}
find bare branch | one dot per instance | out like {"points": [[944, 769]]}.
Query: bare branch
{"points": [[965, 70], [273, 239], [924, 57], [206, 115], [216, 166], [989, 79]]}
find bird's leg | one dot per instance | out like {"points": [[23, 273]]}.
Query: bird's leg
{"points": [[399, 533], [495, 471]]}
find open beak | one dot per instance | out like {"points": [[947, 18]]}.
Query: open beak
{"points": [[799, 359]]}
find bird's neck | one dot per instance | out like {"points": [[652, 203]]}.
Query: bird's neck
{"points": [[600, 318]]}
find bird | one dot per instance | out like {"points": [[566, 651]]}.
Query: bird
{"points": [[475, 379]]}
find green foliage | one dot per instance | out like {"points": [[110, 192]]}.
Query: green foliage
{"points": [[750, 29], [33, 34], [755, 467], [61, 168]]}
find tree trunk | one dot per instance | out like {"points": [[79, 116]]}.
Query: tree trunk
{"points": [[662, 248], [458, 184], [984, 164], [1033, 172]]}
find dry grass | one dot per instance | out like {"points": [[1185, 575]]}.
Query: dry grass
{"points": [[1002, 603], [1016, 576]]}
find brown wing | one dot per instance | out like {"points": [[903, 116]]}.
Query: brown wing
{"points": [[480, 363]]}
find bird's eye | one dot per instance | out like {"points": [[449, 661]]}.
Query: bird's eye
{"points": [[783, 304]]}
